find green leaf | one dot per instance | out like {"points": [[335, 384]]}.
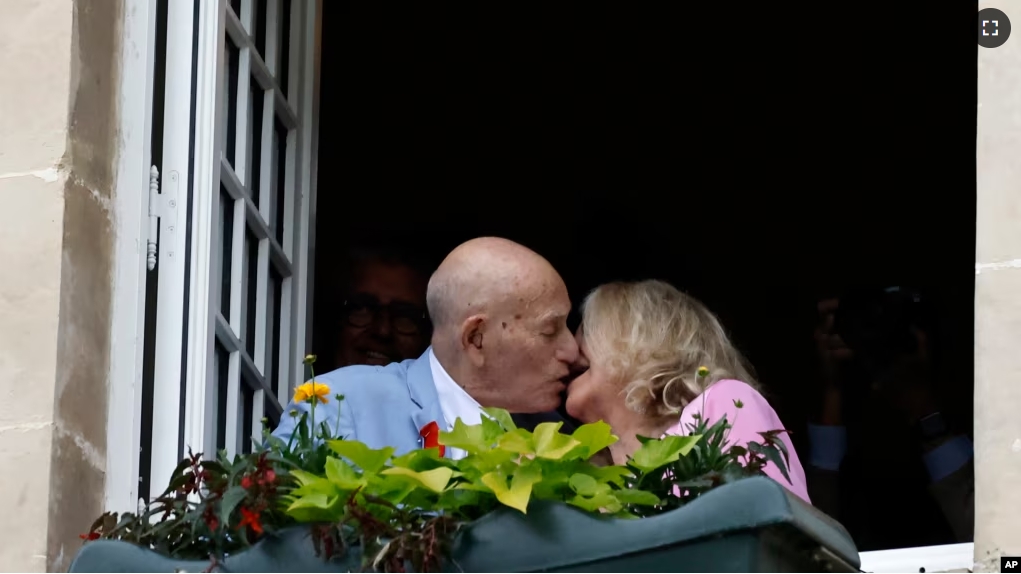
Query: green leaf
{"points": [[602, 498], [305, 477], [519, 441], [231, 499], [637, 497], [421, 459], [520, 490], [365, 458], [609, 474], [593, 437], [661, 452], [772, 455], [393, 489], [469, 438], [317, 508], [319, 486], [584, 484], [549, 443], [474, 466], [435, 480], [341, 474], [501, 416], [456, 498]]}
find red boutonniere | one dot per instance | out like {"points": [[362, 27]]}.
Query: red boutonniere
{"points": [[431, 437]]}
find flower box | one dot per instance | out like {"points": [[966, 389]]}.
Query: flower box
{"points": [[752, 525]]}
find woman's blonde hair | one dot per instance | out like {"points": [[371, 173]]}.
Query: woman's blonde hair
{"points": [[653, 339]]}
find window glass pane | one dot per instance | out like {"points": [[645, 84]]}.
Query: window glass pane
{"points": [[273, 326], [284, 49], [276, 215], [260, 27], [247, 404], [251, 282], [221, 366], [236, 6], [233, 64], [255, 115], [226, 242]]}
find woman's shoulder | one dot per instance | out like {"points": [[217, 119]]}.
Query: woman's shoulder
{"points": [[727, 397], [733, 389]]}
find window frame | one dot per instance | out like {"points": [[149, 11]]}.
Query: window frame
{"points": [[189, 322]]}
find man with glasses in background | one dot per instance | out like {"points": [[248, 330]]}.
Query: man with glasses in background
{"points": [[382, 312]]}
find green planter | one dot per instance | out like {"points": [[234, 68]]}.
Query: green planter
{"points": [[753, 525]]}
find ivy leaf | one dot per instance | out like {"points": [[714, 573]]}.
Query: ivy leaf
{"points": [[608, 474], [456, 498], [637, 497], [435, 480], [422, 459], [319, 486], [471, 439], [592, 438], [341, 474], [658, 453], [305, 478], [519, 441], [502, 417], [365, 458], [316, 508], [602, 498], [584, 484], [394, 489], [517, 495], [491, 430], [549, 443], [474, 466]]}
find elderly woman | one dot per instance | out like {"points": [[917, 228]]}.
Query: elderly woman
{"points": [[641, 347]]}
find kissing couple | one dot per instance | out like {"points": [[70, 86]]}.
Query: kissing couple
{"points": [[500, 339]]}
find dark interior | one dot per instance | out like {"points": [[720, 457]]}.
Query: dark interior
{"points": [[624, 144]]}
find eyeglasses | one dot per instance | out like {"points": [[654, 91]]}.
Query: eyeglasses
{"points": [[363, 310]]}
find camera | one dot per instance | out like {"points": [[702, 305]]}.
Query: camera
{"points": [[879, 325]]}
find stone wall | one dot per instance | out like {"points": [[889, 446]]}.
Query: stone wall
{"points": [[78, 458], [998, 301], [35, 48]]}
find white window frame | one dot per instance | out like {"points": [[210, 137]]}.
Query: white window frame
{"points": [[203, 326], [135, 97], [939, 558]]}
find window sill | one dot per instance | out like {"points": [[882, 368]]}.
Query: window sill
{"points": [[943, 558]]}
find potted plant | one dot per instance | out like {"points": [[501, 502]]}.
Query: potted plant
{"points": [[519, 501]]}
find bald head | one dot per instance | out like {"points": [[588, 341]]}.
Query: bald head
{"points": [[499, 314], [488, 274]]}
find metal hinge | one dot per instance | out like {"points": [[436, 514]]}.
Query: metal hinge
{"points": [[161, 206]]}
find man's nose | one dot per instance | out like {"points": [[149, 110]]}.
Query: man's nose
{"points": [[568, 352], [381, 324]]}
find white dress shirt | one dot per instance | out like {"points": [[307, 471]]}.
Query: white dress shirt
{"points": [[454, 402]]}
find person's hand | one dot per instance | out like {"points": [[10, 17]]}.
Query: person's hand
{"points": [[830, 347], [908, 388], [832, 353]]}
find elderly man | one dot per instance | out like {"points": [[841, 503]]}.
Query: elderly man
{"points": [[500, 339]]}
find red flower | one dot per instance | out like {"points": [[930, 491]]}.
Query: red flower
{"points": [[431, 435], [89, 536], [250, 518], [246, 482], [270, 476]]}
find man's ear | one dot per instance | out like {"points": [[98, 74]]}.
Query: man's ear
{"points": [[472, 338]]}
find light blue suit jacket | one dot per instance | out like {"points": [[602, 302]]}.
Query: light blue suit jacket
{"points": [[382, 406]]}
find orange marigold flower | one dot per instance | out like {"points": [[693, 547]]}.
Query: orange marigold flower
{"points": [[310, 390]]}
